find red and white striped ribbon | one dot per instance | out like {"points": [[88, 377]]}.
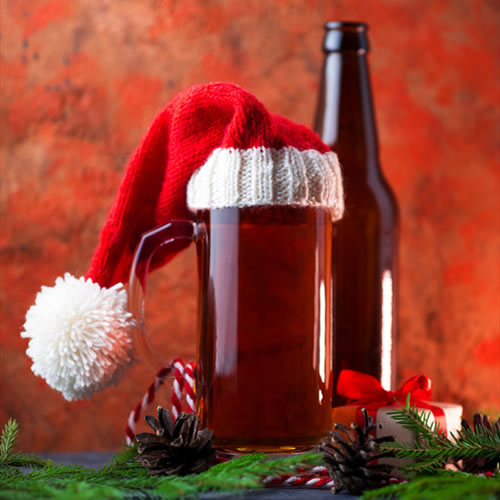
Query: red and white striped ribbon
{"points": [[317, 477], [189, 387], [183, 380]]}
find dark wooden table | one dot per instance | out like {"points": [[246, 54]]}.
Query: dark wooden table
{"points": [[98, 459]]}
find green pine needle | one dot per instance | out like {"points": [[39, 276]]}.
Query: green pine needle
{"points": [[10, 459], [25, 460], [445, 485], [8, 439]]}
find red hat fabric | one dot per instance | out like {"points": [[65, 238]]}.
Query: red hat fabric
{"points": [[213, 146]]}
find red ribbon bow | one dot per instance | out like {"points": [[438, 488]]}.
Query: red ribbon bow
{"points": [[366, 391]]}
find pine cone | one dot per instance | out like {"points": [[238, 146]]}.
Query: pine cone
{"points": [[477, 465], [349, 458], [177, 448]]}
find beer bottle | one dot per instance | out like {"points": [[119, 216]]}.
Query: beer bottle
{"points": [[365, 241]]}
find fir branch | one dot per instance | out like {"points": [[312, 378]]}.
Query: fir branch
{"points": [[26, 460], [483, 439], [418, 423], [445, 485], [7, 456], [8, 439], [251, 469], [431, 449], [124, 477], [122, 464]]}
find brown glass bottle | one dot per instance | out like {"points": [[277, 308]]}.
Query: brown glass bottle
{"points": [[365, 241]]}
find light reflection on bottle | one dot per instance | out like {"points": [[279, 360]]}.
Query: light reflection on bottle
{"points": [[322, 331], [386, 358], [333, 65]]}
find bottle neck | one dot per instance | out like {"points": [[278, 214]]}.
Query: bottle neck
{"points": [[345, 118]]}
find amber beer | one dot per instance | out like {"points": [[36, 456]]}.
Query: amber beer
{"points": [[264, 345], [365, 241]]}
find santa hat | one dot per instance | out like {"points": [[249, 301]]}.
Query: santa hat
{"points": [[213, 146]]}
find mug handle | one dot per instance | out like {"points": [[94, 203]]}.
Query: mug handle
{"points": [[150, 242]]}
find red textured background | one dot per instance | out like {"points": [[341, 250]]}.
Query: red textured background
{"points": [[82, 80]]}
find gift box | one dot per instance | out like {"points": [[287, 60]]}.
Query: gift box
{"points": [[365, 391]]}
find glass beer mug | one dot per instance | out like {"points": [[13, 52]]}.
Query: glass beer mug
{"points": [[264, 374]]}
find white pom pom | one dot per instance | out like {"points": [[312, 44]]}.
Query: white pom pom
{"points": [[80, 336]]}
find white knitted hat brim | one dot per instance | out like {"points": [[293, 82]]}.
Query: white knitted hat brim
{"points": [[265, 176]]}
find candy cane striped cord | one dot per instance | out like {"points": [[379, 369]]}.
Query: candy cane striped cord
{"points": [[178, 386], [317, 477], [180, 371], [308, 482], [189, 387], [148, 398]]}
